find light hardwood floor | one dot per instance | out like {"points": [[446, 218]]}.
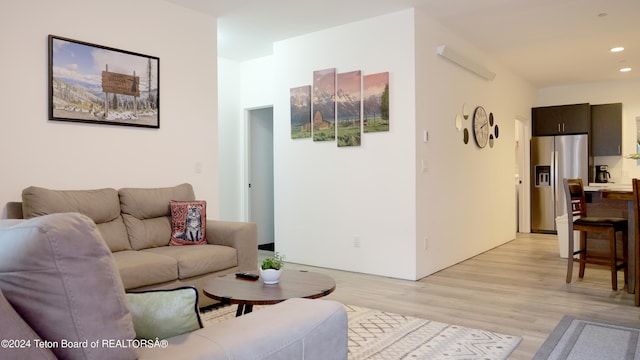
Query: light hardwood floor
{"points": [[517, 289]]}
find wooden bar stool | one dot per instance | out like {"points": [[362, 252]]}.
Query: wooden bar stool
{"points": [[577, 207], [636, 239]]}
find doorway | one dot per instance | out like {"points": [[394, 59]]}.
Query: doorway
{"points": [[522, 151], [260, 174]]}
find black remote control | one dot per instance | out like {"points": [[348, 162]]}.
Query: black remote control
{"points": [[247, 276]]}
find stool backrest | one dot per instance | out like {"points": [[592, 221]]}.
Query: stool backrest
{"points": [[576, 203], [635, 237]]}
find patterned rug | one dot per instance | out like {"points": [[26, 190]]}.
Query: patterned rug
{"points": [[590, 340], [375, 334]]}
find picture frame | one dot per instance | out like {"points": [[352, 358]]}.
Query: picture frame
{"points": [[96, 84]]}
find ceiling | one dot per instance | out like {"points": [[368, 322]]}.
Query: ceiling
{"points": [[548, 42]]}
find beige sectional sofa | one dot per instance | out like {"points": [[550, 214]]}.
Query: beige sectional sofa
{"points": [[135, 223], [61, 296]]}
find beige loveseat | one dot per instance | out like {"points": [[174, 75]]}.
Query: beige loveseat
{"points": [[135, 223], [61, 297]]}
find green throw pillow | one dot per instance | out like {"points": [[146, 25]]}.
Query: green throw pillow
{"points": [[164, 313]]}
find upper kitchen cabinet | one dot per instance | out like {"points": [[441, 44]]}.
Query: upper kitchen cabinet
{"points": [[606, 129], [561, 120]]}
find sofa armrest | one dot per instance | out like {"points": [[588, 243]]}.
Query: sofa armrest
{"points": [[297, 329], [243, 236]]}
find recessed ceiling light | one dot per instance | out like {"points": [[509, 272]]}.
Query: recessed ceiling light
{"points": [[626, 69], [617, 49]]}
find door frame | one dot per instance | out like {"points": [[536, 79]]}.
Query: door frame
{"points": [[247, 159], [523, 161]]}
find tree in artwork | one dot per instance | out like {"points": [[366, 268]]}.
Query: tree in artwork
{"points": [[376, 102]]}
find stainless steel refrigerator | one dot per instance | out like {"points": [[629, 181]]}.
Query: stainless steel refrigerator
{"points": [[554, 158]]}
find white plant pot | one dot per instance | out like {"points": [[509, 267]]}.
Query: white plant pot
{"points": [[270, 276]]}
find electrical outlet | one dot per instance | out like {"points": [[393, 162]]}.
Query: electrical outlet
{"points": [[356, 241], [426, 243]]}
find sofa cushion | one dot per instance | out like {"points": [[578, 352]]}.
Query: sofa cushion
{"points": [[58, 274], [139, 268], [22, 339], [101, 205], [147, 214], [164, 313], [198, 260], [188, 222]]}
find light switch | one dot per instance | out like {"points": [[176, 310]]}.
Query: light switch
{"points": [[425, 167]]}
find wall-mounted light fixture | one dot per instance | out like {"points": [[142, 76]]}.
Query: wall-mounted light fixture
{"points": [[465, 62]]}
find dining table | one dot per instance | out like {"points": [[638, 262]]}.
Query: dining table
{"points": [[623, 192]]}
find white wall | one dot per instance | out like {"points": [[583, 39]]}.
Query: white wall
{"points": [[466, 200], [242, 86], [230, 141], [325, 195], [623, 91], [63, 155]]}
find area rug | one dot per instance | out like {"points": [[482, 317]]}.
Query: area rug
{"points": [[375, 334], [583, 339]]}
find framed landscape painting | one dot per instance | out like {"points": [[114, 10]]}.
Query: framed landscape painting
{"points": [[101, 85], [376, 102]]}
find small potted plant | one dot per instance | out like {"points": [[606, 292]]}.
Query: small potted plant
{"points": [[271, 269]]}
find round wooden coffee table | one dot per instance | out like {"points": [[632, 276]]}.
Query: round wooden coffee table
{"points": [[246, 293]]}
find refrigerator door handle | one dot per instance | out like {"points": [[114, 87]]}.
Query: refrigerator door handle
{"points": [[554, 179]]}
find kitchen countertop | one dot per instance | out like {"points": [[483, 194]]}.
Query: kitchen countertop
{"points": [[608, 187]]}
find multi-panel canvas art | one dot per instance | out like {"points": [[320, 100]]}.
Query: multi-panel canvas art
{"points": [[343, 106]]}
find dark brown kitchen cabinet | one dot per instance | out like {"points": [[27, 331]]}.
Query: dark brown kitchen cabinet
{"points": [[606, 129], [561, 120]]}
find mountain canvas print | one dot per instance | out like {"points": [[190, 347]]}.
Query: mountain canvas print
{"points": [[376, 102], [348, 108], [324, 114]]}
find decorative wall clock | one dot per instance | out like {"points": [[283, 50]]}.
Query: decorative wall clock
{"points": [[480, 127]]}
